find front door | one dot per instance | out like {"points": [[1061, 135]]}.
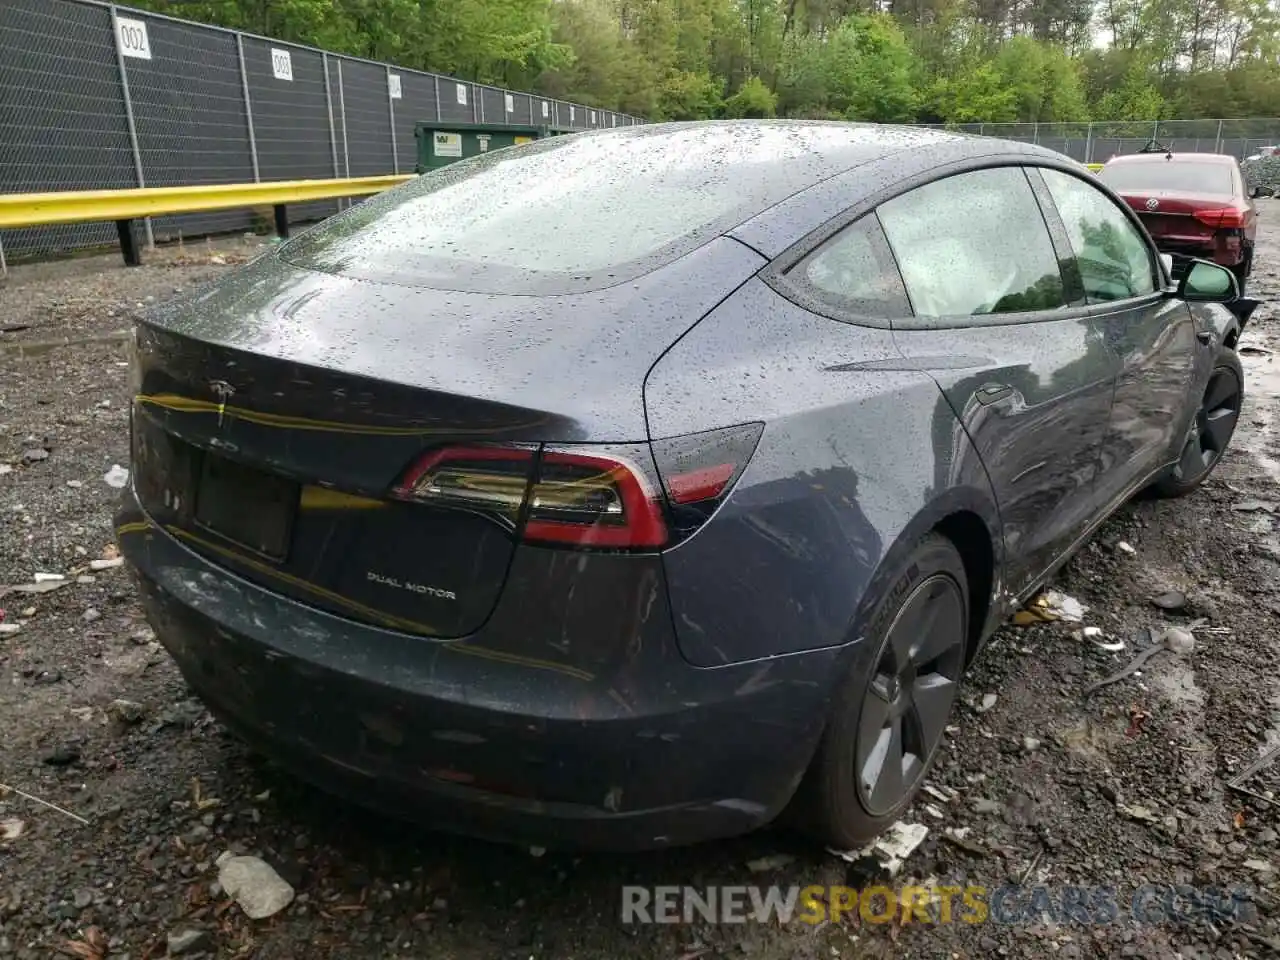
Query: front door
{"points": [[1016, 351], [1152, 336]]}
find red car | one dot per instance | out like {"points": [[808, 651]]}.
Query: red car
{"points": [[1193, 204]]}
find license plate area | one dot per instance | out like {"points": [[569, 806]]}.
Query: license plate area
{"points": [[252, 509]]}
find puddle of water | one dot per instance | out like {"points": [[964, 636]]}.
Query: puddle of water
{"points": [[1259, 430], [1177, 682]]}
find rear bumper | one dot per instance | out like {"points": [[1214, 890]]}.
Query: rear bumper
{"points": [[636, 749], [1204, 249]]}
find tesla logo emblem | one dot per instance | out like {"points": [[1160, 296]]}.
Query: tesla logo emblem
{"points": [[1152, 203], [223, 391]]}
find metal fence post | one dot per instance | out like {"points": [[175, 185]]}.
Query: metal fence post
{"points": [[333, 132], [476, 97], [248, 108], [1088, 143], [128, 115], [1217, 143], [391, 111], [342, 111], [1155, 131], [439, 115], [982, 129], [1035, 132]]}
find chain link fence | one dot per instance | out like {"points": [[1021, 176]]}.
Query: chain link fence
{"points": [[94, 95], [1098, 142]]}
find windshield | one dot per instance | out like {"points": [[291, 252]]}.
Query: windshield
{"points": [[1180, 176], [568, 213]]}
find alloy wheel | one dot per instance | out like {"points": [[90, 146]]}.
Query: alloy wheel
{"points": [[910, 694], [1213, 426]]}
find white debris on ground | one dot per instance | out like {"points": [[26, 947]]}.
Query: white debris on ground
{"points": [[891, 849], [254, 885], [1050, 606], [116, 477]]}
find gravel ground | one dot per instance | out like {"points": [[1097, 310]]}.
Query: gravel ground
{"points": [[1122, 788]]}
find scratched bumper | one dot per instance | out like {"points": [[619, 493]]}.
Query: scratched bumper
{"points": [[631, 751]]}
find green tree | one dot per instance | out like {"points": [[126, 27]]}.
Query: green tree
{"points": [[1135, 99], [959, 61], [753, 99], [862, 70], [978, 94], [689, 96]]}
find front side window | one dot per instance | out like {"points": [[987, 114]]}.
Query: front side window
{"points": [[972, 244], [1115, 261]]}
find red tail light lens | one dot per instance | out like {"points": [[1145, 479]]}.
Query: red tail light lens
{"points": [[491, 479], [588, 496], [1224, 217], [595, 499], [603, 497], [699, 470]]}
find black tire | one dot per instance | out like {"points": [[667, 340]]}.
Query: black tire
{"points": [[1211, 429], [924, 612]]}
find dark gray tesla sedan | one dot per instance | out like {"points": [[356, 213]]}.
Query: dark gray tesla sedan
{"points": [[628, 489]]}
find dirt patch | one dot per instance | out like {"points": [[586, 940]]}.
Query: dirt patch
{"points": [[1119, 789]]}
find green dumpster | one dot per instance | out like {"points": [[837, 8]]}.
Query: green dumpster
{"points": [[440, 144]]}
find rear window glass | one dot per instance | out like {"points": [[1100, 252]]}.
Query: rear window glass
{"points": [[1184, 176], [568, 213]]}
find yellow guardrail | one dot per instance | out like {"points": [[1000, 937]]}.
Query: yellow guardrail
{"points": [[125, 206], [1095, 167]]}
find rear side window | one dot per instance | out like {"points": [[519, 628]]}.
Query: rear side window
{"points": [[1115, 261], [973, 244], [1179, 176], [854, 272]]}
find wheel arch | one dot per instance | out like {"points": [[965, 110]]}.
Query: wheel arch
{"points": [[969, 519], [974, 542]]}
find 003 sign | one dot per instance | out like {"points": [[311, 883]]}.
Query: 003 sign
{"points": [[281, 64]]}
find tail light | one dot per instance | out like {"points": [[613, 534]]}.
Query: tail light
{"points": [[1223, 217], [587, 496], [699, 469], [597, 496], [488, 479]]}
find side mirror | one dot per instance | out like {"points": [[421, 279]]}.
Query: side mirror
{"points": [[1207, 282], [1166, 261]]}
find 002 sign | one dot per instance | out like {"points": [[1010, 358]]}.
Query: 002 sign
{"points": [[131, 35]]}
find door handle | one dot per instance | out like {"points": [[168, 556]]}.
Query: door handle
{"points": [[993, 392], [1206, 337]]}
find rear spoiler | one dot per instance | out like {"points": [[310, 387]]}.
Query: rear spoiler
{"points": [[1155, 146]]}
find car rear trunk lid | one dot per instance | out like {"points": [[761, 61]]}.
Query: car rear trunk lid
{"points": [[254, 478], [1169, 215]]}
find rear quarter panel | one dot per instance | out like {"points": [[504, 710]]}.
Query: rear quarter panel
{"points": [[860, 456]]}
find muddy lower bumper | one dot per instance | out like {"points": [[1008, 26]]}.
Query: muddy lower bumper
{"points": [[638, 751]]}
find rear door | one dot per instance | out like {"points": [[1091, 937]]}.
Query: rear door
{"points": [[1013, 346], [1152, 335]]}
